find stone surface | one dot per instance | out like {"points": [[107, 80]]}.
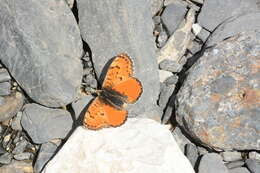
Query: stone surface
{"points": [[139, 144], [218, 104], [180, 138], [232, 26], [163, 75], [23, 156], [20, 147], [203, 35], [17, 167], [5, 88], [6, 158], [11, 105], [156, 5], [171, 80], [4, 75], [171, 66], [254, 155], [215, 12], [239, 170], [119, 28], [43, 124], [191, 152], [79, 106], [212, 163], [16, 122], [235, 164], [253, 165], [44, 60], [46, 151], [165, 94], [230, 156], [173, 15]]}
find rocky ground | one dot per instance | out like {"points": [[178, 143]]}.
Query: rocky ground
{"points": [[198, 61]]}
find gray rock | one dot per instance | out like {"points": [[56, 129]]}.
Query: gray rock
{"points": [[232, 26], [162, 38], [79, 106], [180, 138], [207, 103], [4, 75], [215, 12], [2, 100], [23, 156], [44, 60], [165, 94], [173, 15], [43, 124], [191, 153], [5, 88], [90, 80], [253, 165], [156, 5], [212, 163], [11, 105], [169, 65], [202, 150], [6, 158], [113, 27], [235, 164], [239, 170], [254, 155], [169, 110], [171, 80], [17, 167], [20, 147], [203, 35], [194, 47], [70, 3], [16, 122], [230, 156]]}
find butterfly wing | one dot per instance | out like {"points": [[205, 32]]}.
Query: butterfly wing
{"points": [[100, 114], [119, 78]]}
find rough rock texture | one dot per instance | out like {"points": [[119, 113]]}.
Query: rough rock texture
{"points": [[79, 106], [212, 163], [219, 102], [140, 145], [17, 167], [112, 27], [253, 165], [11, 105], [239, 170], [41, 47], [156, 5], [4, 75], [233, 26], [43, 124], [215, 12]]}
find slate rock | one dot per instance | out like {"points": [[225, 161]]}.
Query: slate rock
{"points": [[79, 106], [117, 26], [165, 94], [235, 164], [253, 165], [46, 151], [17, 167], [20, 147], [173, 15], [43, 124], [4, 75], [6, 158], [171, 66], [191, 152], [16, 122], [212, 163], [233, 26], [203, 35], [230, 156], [171, 80], [239, 170], [218, 103], [5, 88], [11, 105], [128, 148], [44, 60], [23, 156], [215, 12]]}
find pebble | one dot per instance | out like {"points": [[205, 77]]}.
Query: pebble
{"points": [[171, 80], [235, 164], [212, 163], [203, 35], [23, 156], [162, 38], [253, 165], [165, 94], [20, 147], [230, 156], [6, 158], [16, 122], [163, 75]]}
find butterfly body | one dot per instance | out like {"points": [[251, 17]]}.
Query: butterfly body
{"points": [[119, 88]]}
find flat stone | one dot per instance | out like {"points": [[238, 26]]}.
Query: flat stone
{"points": [[11, 105], [171, 80], [171, 66], [4, 75], [43, 124], [235, 164], [212, 163], [16, 122], [45, 61], [163, 75], [5, 88], [17, 167], [191, 152], [215, 12], [239, 170], [173, 15], [233, 26], [46, 151], [165, 94], [6, 158], [128, 148], [253, 165], [20, 147], [23, 156], [230, 156], [119, 28], [79, 106], [218, 103]]}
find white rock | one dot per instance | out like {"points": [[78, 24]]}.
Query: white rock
{"points": [[163, 75], [138, 146], [196, 28]]}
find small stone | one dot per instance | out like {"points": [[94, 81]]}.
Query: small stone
{"points": [[6, 158], [202, 151], [198, 1], [156, 5], [43, 124], [165, 94], [4, 75], [79, 106], [203, 35], [169, 110], [46, 151], [254, 155], [16, 122], [162, 38], [87, 71], [191, 153], [180, 138], [128, 148], [235, 164], [70, 3], [20, 147], [253, 165], [194, 47], [173, 15], [163, 75], [230, 156], [212, 163], [196, 28], [171, 80], [23, 156], [169, 65], [5, 88], [239, 170], [91, 81], [17, 167]]}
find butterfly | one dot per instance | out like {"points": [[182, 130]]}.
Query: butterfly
{"points": [[119, 88]]}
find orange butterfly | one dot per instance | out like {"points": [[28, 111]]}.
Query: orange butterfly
{"points": [[119, 88]]}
